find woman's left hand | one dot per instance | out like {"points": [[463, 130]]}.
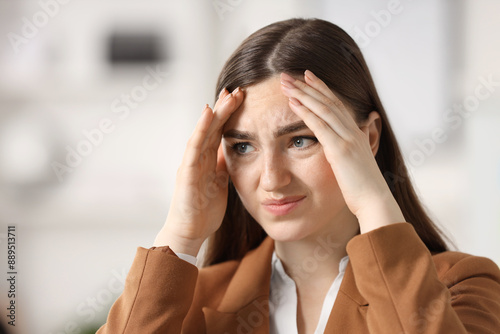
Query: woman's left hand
{"points": [[349, 149]]}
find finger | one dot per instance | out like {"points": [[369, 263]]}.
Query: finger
{"points": [[321, 129], [299, 98], [312, 80], [332, 110], [322, 95], [329, 99], [223, 93], [195, 142], [230, 103]]}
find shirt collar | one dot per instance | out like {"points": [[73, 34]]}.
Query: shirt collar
{"points": [[278, 271]]}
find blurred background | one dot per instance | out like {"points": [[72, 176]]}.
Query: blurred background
{"points": [[98, 98]]}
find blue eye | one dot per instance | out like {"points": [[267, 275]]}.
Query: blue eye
{"points": [[298, 142], [242, 148], [304, 142]]}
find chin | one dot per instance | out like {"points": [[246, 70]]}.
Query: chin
{"points": [[286, 231]]}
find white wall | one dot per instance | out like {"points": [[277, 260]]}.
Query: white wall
{"points": [[482, 137]]}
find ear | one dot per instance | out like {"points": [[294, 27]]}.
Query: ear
{"points": [[372, 127]]}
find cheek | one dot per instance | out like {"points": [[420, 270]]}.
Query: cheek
{"points": [[233, 166], [244, 180], [241, 173], [317, 174], [325, 174]]}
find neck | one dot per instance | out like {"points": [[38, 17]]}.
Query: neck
{"points": [[316, 258]]}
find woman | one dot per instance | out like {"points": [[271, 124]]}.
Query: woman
{"points": [[315, 227]]}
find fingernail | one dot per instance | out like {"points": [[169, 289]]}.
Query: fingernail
{"points": [[222, 91], [294, 101], [205, 107], [287, 84], [236, 91], [227, 98], [310, 75]]}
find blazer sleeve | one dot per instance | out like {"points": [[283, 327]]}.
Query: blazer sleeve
{"points": [[157, 295], [396, 274]]}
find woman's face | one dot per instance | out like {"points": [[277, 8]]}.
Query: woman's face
{"points": [[279, 169]]}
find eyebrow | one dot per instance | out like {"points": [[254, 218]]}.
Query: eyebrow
{"points": [[245, 135]]}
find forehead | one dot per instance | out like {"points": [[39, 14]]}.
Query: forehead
{"points": [[264, 107]]}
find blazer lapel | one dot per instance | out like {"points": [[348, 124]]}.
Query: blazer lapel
{"points": [[245, 305], [349, 310]]}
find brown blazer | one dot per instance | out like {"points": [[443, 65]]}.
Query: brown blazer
{"points": [[392, 285]]}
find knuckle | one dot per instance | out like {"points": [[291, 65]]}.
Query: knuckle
{"points": [[300, 84], [299, 94], [325, 100], [338, 103], [324, 110], [192, 142], [322, 126]]}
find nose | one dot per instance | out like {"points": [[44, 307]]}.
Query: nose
{"points": [[275, 173]]}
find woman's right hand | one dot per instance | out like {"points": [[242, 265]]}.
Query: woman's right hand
{"points": [[200, 196]]}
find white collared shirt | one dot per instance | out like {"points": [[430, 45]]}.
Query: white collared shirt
{"points": [[283, 299]]}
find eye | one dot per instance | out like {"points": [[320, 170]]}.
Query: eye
{"points": [[242, 148], [304, 142]]}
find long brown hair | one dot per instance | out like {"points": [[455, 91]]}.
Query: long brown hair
{"points": [[292, 46]]}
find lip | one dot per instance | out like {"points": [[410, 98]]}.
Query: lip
{"points": [[282, 206]]}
